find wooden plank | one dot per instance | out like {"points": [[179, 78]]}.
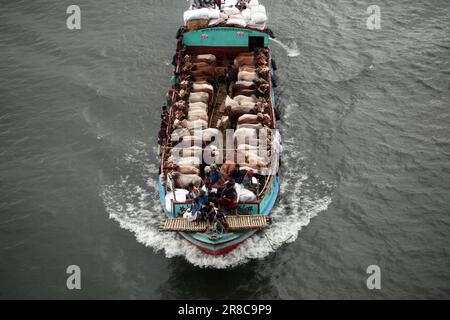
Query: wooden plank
{"points": [[246, 222]]}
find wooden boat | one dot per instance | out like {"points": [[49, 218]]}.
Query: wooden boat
{"points": [[225, 43]]}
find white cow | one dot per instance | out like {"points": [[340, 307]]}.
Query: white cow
{"points": [[178, 134], [202, 124], [258, 126], [245, 135], [202, 86], [183, 180], [245, 83], [197, 115], [199, 97], [198, 105], [223, 123], [207, 134], [241, 98], [187, 161], [194, 151], [247, 76], [208, 57], [244, 147]]}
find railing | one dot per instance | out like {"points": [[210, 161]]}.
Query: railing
{"points": [[269, 181], [171, 116]]}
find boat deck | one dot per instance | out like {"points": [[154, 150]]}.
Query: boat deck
{"points": [[219, 108], [236, 223]]}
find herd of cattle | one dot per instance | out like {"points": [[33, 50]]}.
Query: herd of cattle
{"points": [[247, 112]]}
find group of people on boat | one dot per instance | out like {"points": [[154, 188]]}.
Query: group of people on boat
{"points": [[240, 4], [221, 186], [205, 3], [216, 195], [205, 209]]}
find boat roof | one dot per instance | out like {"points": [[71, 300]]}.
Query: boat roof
{"points": [[224, 37]]}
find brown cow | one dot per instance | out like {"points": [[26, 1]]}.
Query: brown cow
{"points": [[247, 109], [262, 105], [207, 72], [261, 61], [264, 90], [237, 88], [249, 119], [263, 71], [227, 168], [243, 60], [261, 81], [191, 124], [245, 92], [200, 65], [180, 105], [185, 169], [247, 68]]}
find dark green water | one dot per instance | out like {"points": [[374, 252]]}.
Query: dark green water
{"points": [[365, 171]]}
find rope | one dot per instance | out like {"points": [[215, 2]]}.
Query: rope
{"points": [[268, 240]]}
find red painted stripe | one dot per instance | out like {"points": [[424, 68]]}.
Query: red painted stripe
{"points": [[220, 251], [215, 244]]}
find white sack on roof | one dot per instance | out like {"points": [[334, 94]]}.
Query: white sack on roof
{"points": [[259, 9], [196, 14], [215, 22], [231, 11], [214, 13], [246, 14], [237, 21], [253, 3], [258, 18]]}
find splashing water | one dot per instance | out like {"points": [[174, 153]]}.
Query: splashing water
{"points": [[133, 201], [291, 51]]}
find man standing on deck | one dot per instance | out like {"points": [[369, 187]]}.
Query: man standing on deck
{"points": [[207, 3], [229, 199], [162, 136], [250, 182]]}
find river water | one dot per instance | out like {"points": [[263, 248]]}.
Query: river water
{"points": [[365, 174]]}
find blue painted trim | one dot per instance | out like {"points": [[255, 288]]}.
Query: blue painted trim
{"points": [[162, 193], [273, 197]]}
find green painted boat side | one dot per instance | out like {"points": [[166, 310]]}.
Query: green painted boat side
{"points": [[222, 37]]}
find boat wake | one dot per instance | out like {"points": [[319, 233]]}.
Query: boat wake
{"points": [[133, 201], [291, 51]]}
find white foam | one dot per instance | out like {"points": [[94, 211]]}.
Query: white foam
{"points": [[292, 51], [136, 207]]}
